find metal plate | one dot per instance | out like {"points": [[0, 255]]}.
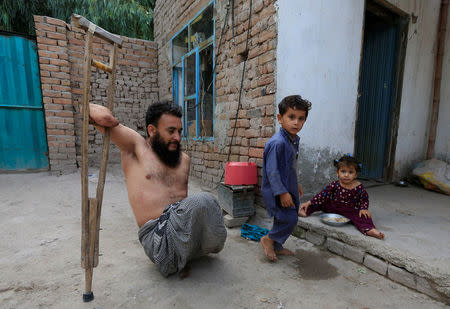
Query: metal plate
{"points": [[334, 219]]}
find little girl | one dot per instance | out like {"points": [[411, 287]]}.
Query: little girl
{"points": [[346, 197]]}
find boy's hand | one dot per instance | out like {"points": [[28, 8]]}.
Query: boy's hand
{"points": [[286, 200], [300, 191], [365, 213]]}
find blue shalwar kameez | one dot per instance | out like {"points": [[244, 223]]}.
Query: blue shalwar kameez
{"points": [[280, 176]]}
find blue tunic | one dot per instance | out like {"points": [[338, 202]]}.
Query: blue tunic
{"points": [[279, 170]]}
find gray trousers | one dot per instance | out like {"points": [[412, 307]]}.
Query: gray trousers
{"points": [[186, 229]]}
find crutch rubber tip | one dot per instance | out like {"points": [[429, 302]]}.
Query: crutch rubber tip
{"points": [[87, 297]]}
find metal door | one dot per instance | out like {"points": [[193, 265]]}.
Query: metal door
{"points": [[377, 96], [23, 142]]}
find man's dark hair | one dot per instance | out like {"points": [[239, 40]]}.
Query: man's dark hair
{"points": [[347, 160], [156, 110], [294, 102]]}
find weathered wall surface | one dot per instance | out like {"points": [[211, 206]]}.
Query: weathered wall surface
{"points": [[61, 51], [417, 92], [255, 121], [442, 149], [319, 58]]}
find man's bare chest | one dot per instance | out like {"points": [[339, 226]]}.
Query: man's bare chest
{"points": [[167, 177]]}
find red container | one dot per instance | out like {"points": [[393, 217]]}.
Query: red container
{"points": [[241, 173]]}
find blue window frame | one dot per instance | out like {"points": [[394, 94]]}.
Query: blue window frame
{"points": [[193, 73]]}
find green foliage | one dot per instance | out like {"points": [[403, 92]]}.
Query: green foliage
{"points": [[132, 18], [17, 15]]}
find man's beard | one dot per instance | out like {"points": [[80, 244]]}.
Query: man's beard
{"points": [[168, 157]]}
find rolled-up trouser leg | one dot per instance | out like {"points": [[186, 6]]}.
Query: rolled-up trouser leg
{"points": [[284, 223]]}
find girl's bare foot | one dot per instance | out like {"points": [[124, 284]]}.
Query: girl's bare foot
{"points": [[267, 245], [284, 251], [375, 233], [302, 213]]}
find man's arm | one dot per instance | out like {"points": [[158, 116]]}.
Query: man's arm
{"points": [[125, 138]]}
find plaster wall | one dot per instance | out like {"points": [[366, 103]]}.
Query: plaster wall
{"points": [[318, 57], [417, 92], [442, 149]]}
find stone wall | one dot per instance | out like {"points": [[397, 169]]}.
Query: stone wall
{"points": [[256, 115], [61, 51]]}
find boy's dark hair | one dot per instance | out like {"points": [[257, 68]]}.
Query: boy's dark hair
{"points": [[294, 102], [156, 110], [348, 160]]}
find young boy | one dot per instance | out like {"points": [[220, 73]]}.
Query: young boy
{"points": [[280, 188]]}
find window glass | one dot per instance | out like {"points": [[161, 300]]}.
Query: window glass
{"points": [[178, 81], [191, 123], [193, 86], [180, 45], [206, 91], [189, 75], [202, 27]]}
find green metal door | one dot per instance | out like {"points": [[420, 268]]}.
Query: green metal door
{"points": [[377, 95], [23, 142]]}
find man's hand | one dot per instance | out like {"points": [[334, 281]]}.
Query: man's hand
{"points": [[286, 200], [102, 116], [365, 213], [300, 191]]}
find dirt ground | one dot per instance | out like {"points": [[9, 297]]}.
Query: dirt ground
{"points": [[40, 261]]}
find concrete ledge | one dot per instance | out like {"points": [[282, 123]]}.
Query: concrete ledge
{"points": [[335, 246], [299, 232], [315, 238], [401, 276], [353, 253], [376, 264], [397, 265]]}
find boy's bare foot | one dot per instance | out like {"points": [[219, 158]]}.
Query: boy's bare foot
{"points": [[267, 245], [302, 212], [375, 233], [284, 251]]}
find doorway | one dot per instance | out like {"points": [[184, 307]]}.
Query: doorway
{"points": [[23, 139], [381, 73]]}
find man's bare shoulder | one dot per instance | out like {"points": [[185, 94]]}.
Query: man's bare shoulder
{"points": [[185, 157]]}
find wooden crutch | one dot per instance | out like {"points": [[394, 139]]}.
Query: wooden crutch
{"points": [[91, 207]]}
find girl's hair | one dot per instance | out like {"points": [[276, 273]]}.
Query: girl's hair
{"points": [[348, 160]]}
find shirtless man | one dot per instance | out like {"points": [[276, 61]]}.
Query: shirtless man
{"points": [[174, 228]]}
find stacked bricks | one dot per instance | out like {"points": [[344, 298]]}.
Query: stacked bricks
{"points": [[136, 86], [61, 52], [51, 36], [395, 273], [255, 122]]}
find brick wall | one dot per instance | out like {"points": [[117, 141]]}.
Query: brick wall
{"points": [[54, 64], [256, 117], [61, 51]]}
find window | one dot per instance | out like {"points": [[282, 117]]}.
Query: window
{"points": [[193, 74]]}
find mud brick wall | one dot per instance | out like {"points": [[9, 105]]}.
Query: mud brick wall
{"points": [[256, 117], [61, 52]]}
